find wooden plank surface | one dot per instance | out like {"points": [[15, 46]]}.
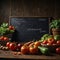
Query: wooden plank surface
{"points": [[9, 55]]}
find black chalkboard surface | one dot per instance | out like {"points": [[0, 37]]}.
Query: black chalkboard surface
{"points": [[29, 28]]}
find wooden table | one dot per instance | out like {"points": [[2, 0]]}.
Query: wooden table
{"points": [[9, 55]]}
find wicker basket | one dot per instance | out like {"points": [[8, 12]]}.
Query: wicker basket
{"points": [[55, 31]]}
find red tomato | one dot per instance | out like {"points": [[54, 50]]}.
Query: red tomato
{"points": [[33, 50], [45, 42], [24, 49], [6, 38], [49, 44], [58, 50], [12, 46], [19, 46], [7, 44], [2, 38], [58, 42], [51, 40], [37, 43], [11, 27]]}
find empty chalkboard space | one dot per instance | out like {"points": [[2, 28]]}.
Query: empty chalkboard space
{"points": [[29, 28]]}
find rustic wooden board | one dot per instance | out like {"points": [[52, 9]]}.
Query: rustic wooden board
{"points": [[9, 55]]}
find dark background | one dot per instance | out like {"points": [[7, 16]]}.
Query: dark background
{"points": [[39, 8]]}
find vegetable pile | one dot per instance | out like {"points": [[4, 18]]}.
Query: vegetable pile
{"points": [[26, 48], [5, 33], [50, 40], [47, 45], [6, 29]]}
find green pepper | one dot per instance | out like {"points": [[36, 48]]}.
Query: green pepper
{"points": [[44, 50]]}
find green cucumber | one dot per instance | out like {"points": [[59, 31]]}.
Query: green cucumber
{"points": [[44, 50]]}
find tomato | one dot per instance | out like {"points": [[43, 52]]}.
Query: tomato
{"points": [[31, 44], [6, 38], [58, 50], [12, 46], [54, 44], [37, 43], [11, 27], [19, 46], [49, 44], [51, 40], [58, 42], [7, 44], [2, 38], [24, 49], [33, 49], [45, 42]]}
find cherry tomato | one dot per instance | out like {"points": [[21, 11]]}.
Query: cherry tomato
{"points": [[24, 49], [2, 38], [12, 46], [58, 50], [58, 42], [45, 42], [37, 43], [33, 50], [11, 27], [7, 44], [6, 38], [49, 44], [19, 46], [51, 40]]}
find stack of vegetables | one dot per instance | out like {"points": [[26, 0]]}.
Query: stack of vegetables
{"points": [[50, 43], [6, 31], [47, 45]]}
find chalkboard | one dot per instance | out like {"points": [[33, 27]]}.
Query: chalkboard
{"points": [[29, 28]]}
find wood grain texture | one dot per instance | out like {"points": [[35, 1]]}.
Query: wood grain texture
{"points": [[39, 8], [8, 55]]}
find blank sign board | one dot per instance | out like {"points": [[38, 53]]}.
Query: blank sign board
{"points": [[29, 28]]}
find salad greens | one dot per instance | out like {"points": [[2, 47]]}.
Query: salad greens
{"points": [[4, 29], [55, 24]]}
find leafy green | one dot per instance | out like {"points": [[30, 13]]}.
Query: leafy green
{"points": [[4, 29], [55, 24], [4, 25]]}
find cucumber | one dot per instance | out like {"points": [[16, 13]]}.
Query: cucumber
{"points": [[44, 50]]}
